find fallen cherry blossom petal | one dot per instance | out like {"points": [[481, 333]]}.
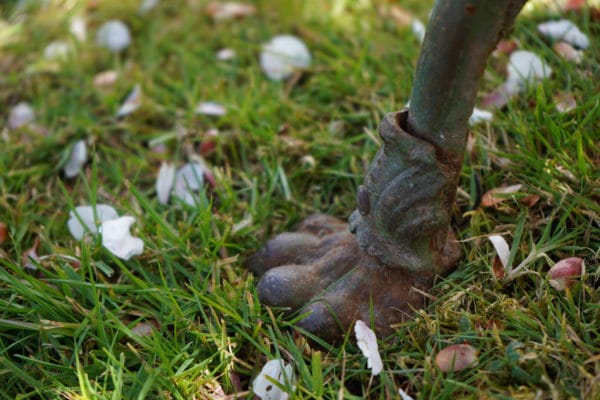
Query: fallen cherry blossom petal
{"points": [[106, 78], [506, 46], [418, 29], [277, 371], [282, 56], [568, 52], [132, 102], [57, 51], [104, 212], [456, 357], [500, 262], [225, 54], [77, 159], [404, 395], [564, 30], [565, 102], [574, 5], [498, 195], [114, 35], [117, 239], [143, 329], [220, 11], [147, 5], [20, 115], [367, 343], [530, 200], [188, 180], [479, 116], [210, 108], [525, 68], [564, 273], [3, 232], [78, 28], [164, 182], [401, 16], [30, 255], [500, 96]]}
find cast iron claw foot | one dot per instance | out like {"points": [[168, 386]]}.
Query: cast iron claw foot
{"points": [[398, 240]]}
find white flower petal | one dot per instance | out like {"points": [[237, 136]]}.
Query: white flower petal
{"points": [[104, 212], [76, 160], [565, 30], [283, 55], [225, 54], [114, 35], [404, 395], [525, 68], [164, 182], [131, 103], [367, 343], [502, 249], [20, 115], [147, 5], [279, 372], [118, 240], [418, 29], [78, 28], [56, 51], [189, 179], [479, 115], [210, 108]]}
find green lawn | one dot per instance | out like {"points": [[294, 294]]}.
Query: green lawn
{"points": [[182, 320]]}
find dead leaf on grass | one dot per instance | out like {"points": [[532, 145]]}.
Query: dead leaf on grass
{"points": [[3, 232]]}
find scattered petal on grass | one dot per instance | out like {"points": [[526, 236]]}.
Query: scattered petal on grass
{"points": [[188, 180], [76, 160], [400, 15], [164, 182], [3, 232], [564, 273], [498, 195], [131, 103], [225, 54], [274, 370], [118, 240], [480, 116], [456, 357], [106, 78], [210, 108], [147, 5], [500, 96], [418, 29], [220, 11], [143, 329], [506, 46], [565, 30], [526, 67], [500, 263], [86, 214], [282, 56], [30, 255], [568, 52], [404, 395], [565, 102], [308, 161], [367, 343], [20, 115], [114, 35], [57, 51], [78, 28], [574, 5]]}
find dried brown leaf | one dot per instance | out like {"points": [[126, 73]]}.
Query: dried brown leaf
{"points": [[530, 200], [3, 232]]}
